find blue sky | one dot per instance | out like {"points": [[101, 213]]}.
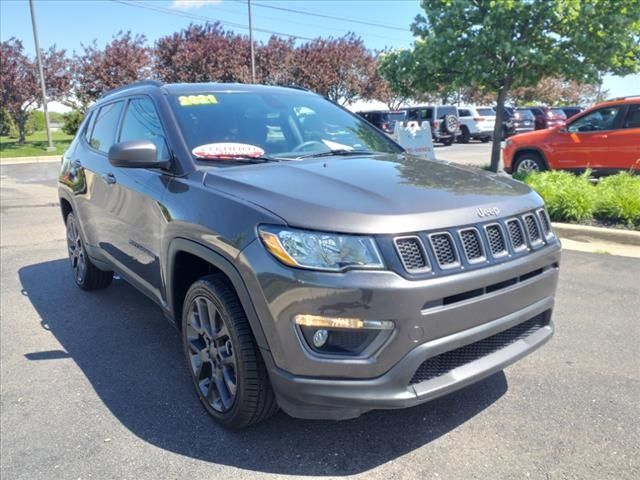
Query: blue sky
{"points": [[69, 23]]}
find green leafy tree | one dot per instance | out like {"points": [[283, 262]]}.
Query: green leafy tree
{"points": [[497, 45]]}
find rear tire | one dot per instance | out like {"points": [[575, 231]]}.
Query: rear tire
{"points": [[447, 141], [225, 363], [485, 139], [528, 162], [86, 275]]}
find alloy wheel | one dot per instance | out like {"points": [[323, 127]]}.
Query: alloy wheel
{"points": [[211, 354], [77, 256], [528, 165]]}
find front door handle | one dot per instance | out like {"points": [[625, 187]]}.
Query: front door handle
{"points": [[110, 178]]}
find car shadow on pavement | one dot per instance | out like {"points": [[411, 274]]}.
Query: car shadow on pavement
{"points": [[134, 361]]}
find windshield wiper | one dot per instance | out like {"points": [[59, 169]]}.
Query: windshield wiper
{"points": [[239, 158], [336, 152]]}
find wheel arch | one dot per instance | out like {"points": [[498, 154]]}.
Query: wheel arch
{"points": [[521, 151], [188, 261]]}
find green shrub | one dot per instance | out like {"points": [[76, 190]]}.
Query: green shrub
{"points": [[8, 126], [618, 199], [568, 197], [35, 122], [72, 121]]}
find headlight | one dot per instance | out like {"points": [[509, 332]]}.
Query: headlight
{"points": [[320, 251]]}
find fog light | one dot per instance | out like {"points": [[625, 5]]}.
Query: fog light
{"points": [[320, 338], [348, 323]]}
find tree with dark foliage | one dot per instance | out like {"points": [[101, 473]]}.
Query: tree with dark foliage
{"points": [[19, 84], [124, 60]]}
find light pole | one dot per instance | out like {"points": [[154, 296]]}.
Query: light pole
{"points": [[253, 55], [50, 148]]}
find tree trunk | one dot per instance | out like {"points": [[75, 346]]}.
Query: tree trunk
{"points": [[21, 123], [497, 130]]}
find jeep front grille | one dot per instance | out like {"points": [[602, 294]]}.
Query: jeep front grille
{"points": [[473, 246], [532, 230], [496, 240], [544, 221], [445, 362], [412, 254], [516, 234], [444, 249]]}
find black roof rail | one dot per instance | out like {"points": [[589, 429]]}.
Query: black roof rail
{"points": [[142, 83]]}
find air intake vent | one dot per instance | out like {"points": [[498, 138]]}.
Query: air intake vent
{"points": [[412, 254], [516, 235], [472, 247], [444, 250], [496, 240], [442, 364], [532, 230]]}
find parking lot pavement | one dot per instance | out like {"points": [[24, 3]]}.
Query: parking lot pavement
{"points": [[94, 386], [473, 153]]}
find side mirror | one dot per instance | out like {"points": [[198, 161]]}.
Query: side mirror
{"points": [[136, 154]]}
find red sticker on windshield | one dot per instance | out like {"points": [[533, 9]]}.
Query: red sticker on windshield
{"points": [[227, 150]]}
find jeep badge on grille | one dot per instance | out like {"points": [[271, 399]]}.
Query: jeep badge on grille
{"points": [[488, 212]]}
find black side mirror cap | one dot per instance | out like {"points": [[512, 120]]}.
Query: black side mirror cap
{"points": [[136, 154]]}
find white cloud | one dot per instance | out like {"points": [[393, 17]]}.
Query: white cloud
{"points": [[187, 4]]}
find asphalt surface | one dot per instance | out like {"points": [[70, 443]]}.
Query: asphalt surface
{"points": [[94, 385]]}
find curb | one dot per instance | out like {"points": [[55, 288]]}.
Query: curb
{"points": [[19, 160], [583, 233]]}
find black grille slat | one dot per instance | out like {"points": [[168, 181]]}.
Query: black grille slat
{"points": [[515, 234], [411, 253], [496, 240], [444, 249], [445, 362], [532, 228], [472, 246]]}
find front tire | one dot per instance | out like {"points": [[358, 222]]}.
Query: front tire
{"points": [[528, 162], [86, 275], [226, 366]]}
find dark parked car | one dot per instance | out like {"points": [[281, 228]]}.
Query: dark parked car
{"points": [[571, 111], [443, 120], [523, 120], [384, 120], [308, 262], [546, 117]]}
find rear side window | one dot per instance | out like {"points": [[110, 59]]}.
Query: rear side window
{"points": [[487, 112], [464, 112], [633, 117], [106, 124], [141, 122]]}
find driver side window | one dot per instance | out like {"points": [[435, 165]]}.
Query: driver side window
{"points": [[598, 120], [141, 122]]}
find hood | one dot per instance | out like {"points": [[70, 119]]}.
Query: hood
{"points": [[374, 194]]}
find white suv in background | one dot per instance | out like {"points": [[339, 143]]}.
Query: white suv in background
{"points": [[476, 123]]}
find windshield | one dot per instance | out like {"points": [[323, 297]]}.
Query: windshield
{"points": [[282, 124]]}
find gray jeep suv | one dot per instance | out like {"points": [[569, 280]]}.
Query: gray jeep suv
{"points": [[308, 262]]}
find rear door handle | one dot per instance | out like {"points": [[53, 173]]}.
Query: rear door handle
{"points": [[110, 178]]}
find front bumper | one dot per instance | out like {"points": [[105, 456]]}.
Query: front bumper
{"points": [[314, 386], [339, 399]]}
